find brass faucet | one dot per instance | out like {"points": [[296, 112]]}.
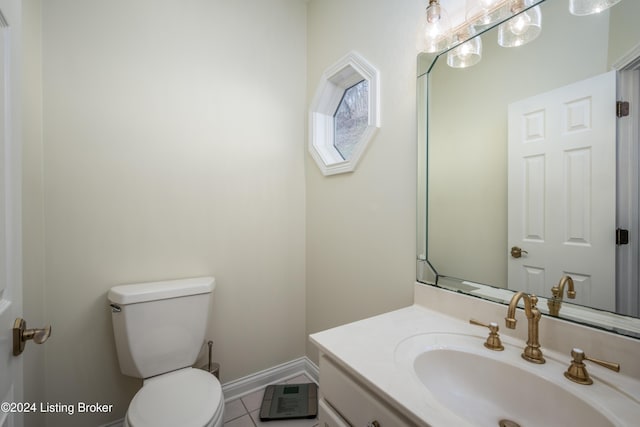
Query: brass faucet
{"points": [[557, 293], [532, 352], [577, 372]]}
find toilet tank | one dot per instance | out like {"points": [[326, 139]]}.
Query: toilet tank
{"points": [[159, 326]]}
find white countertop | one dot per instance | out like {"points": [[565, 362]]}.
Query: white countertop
{"points": [[367, 349]]}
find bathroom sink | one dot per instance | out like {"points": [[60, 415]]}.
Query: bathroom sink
{"points": [[489, 387]]}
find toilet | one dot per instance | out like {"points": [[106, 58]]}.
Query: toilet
{"points": [[159, 329]]}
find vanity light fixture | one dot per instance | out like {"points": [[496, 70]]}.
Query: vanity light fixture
{"points": [[524, 27], [467, 53], [589, 7], [437, 29], [482, 13]]}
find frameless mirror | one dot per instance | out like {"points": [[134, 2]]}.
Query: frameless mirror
{"points": [[488, 212]]}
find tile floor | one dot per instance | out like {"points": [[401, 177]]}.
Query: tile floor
{"points": [[245, 411]]}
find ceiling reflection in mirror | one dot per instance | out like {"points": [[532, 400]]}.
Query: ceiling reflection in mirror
{"points": [[464, 242]]}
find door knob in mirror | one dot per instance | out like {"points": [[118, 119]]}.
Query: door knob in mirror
{"points": [[517, 252]]}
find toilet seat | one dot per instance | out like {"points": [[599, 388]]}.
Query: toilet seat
{"points": [[187, 397]]}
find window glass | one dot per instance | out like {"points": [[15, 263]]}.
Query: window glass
{"points": [[351, 118]]}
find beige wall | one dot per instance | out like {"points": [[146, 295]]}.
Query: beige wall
{"points": [[173, 144], [623, 36], [173, 147], [360, 257]]}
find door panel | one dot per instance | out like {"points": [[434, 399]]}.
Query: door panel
{"points": [[561, 190], [10, 236]]}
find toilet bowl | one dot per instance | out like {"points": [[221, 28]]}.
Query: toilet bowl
{"points": [[159, 329]]}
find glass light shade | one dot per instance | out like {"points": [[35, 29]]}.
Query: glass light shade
{"points": [[589, 7], [522, 28], [466, 54], [437, 29], [482, 13]]}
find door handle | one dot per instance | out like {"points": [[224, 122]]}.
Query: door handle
{"points": [[517, 252], [21, 335]]}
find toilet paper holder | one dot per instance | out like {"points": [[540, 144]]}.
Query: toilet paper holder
{"points": [[211, 367]]}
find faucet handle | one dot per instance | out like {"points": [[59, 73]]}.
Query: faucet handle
{"points": [[493, 341], [577, 371]]}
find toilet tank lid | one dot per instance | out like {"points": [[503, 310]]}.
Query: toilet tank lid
{"points": [[151, 291]]}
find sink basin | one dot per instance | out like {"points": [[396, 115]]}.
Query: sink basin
{"points": [[487, 387]]}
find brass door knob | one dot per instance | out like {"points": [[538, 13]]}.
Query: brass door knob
{"points": [[21, 335], [517, 252]]}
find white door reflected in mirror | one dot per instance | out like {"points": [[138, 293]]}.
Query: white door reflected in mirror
{"points": [[561, 190]]}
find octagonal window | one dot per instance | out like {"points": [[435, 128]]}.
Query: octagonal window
{"points": [[344, 114], [351, 118]]}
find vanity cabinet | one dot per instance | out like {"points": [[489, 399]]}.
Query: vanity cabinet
{"points": [[345, 401]]}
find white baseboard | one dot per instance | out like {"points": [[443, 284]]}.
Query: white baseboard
{"points": [[243, 386]]}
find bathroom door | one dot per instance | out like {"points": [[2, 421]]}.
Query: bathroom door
{"points": [[10, 201], [562, 190]]}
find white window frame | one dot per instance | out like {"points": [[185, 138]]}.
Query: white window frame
{"points": [[346, 72]]}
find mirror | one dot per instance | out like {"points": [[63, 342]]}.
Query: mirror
{"points": [[463, 138]]}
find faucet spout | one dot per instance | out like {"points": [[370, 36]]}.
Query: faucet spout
{"points": [[571, 292], [532, 352], [557, 292]]}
